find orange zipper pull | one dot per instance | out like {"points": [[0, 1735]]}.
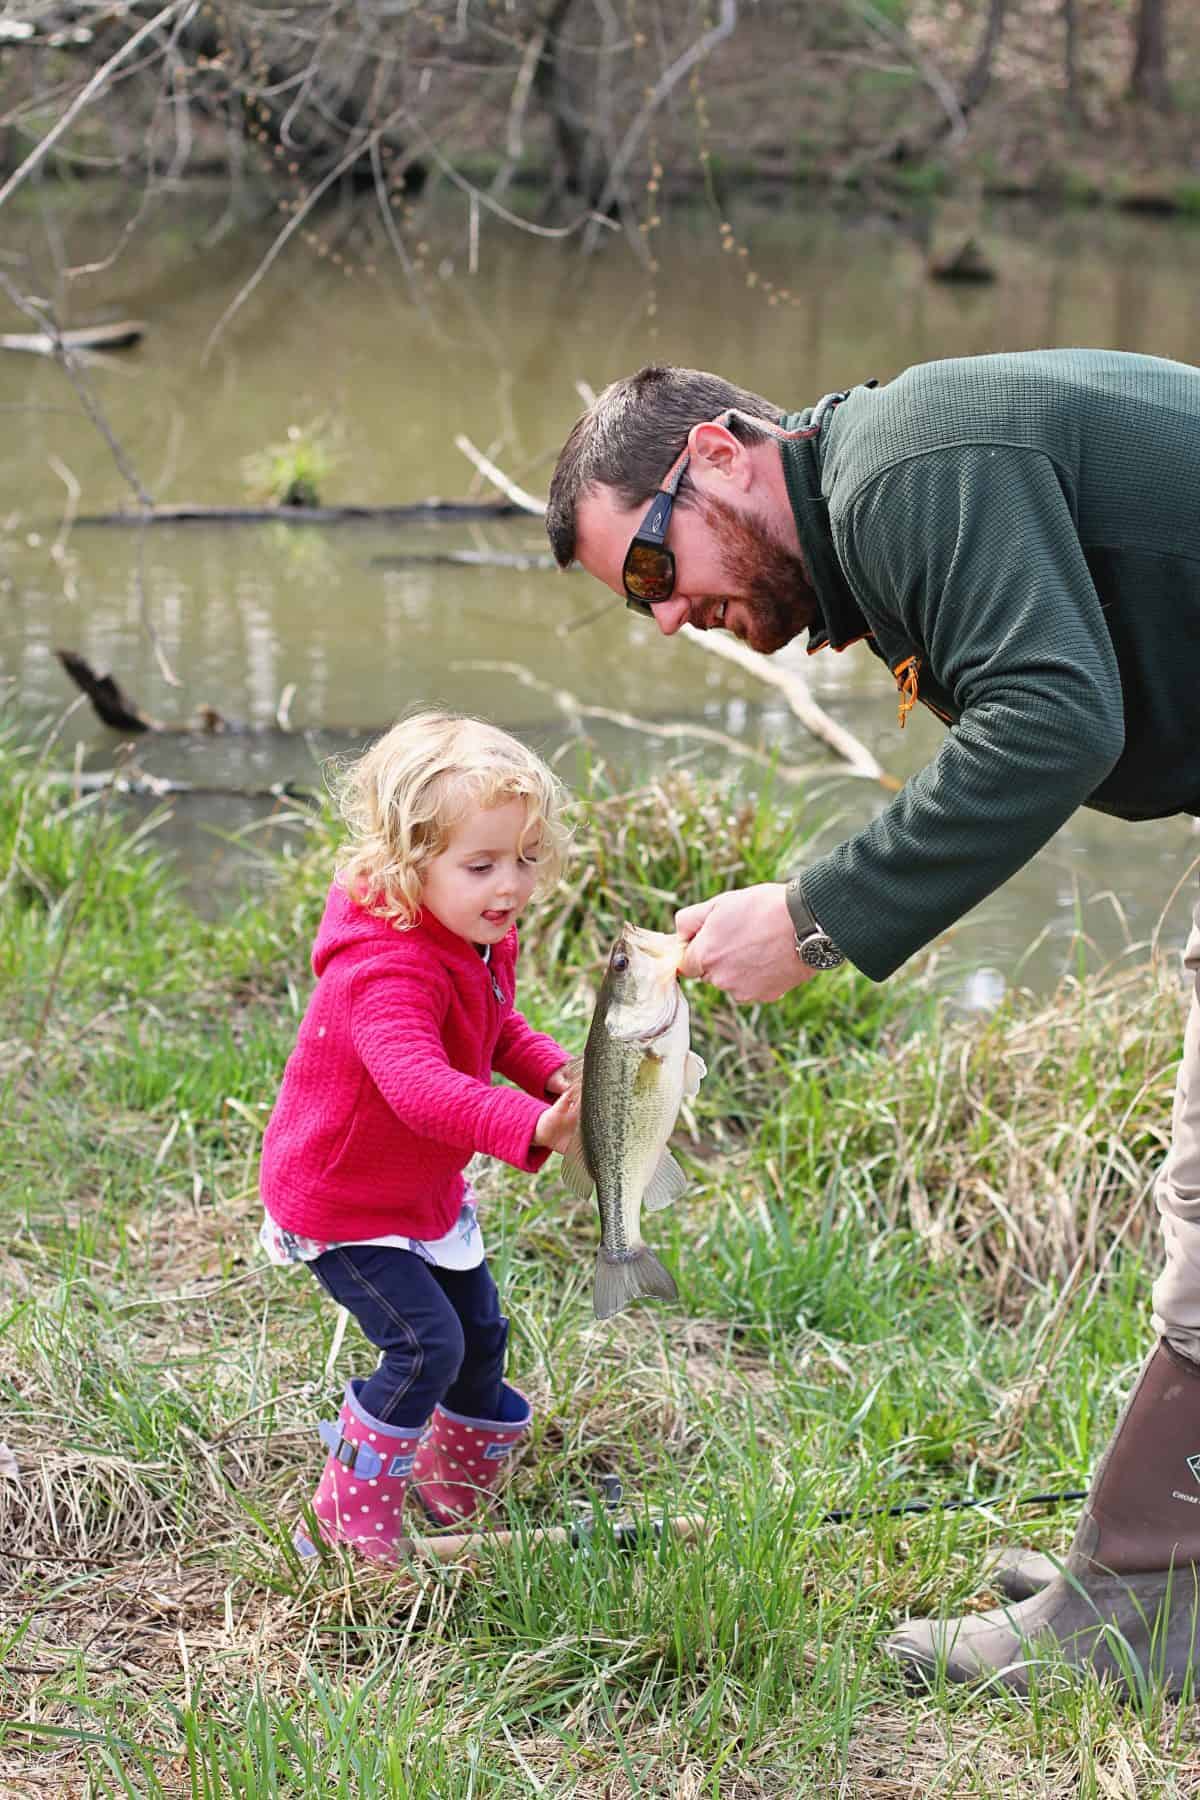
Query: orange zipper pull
{"points": [[906, 674]]}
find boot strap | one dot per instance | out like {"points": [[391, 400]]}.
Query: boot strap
{"points": [[359, 1459]]}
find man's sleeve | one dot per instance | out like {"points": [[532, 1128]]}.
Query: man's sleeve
{"points": [[971, 556]]}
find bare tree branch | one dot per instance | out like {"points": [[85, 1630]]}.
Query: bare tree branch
{"points": [[88, 93]]}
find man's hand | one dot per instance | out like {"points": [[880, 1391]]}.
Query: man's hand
{"points": [[556, 1128], [743, 942]]}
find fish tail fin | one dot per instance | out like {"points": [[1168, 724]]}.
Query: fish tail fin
{"points": [[622, 1279]]}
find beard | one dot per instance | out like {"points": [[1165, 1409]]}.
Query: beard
{"points": [[772, 589]]}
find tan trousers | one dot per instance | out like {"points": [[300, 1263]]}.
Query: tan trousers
{"points": [[1176, 1293]]}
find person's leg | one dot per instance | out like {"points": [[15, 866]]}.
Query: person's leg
{"points": [[481, 1419], [476, 1302], [1128, 1596], [401, 1308], [374, 1441]]}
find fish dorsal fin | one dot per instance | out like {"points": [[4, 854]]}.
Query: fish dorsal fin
{"points": [[694, 1071], [574, 1171], [666, 1184]]}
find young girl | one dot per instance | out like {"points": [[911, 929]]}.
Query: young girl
{"points": [[388, 1094]]}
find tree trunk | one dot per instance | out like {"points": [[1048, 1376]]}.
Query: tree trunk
{"points": [[1148, 81], [980, 75], [1070, 19]]}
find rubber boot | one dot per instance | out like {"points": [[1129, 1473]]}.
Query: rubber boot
{"points": [[1017, 1573], [360, 1497], [461, 1462], [1126, 1602]]}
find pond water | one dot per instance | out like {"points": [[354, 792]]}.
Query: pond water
{"points": [[244, 614]]}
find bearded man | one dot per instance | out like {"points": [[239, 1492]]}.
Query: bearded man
{"points": [[1017, 538]]}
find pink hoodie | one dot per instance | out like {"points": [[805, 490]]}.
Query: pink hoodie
{"points": [[388, 1093]]}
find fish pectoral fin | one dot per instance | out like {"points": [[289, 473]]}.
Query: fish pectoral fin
{"points": [[694, 1071], [574, 1171], [666, 1184]]}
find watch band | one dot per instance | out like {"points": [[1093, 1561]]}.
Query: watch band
{"points": [[814, 946]]}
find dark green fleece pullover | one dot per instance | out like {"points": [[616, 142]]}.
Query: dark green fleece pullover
{"points": [[1018, 538]]}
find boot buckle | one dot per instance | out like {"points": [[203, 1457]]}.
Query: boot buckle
{"points": [[358, 1459]]}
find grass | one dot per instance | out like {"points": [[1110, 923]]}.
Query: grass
{"points": [[911, 1265]]}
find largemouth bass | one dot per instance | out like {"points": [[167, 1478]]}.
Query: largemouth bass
{"points": [[638, 1066]]}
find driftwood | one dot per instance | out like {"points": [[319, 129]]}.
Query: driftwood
{"points": [[434, 511], [85, 337], [465, 559], [140, 782]]}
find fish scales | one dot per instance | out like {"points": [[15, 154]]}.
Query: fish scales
{"points": [[637, 1067]]}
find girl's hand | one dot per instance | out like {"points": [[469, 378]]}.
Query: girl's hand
{"points": [[558, 1083], [556, 1128]]}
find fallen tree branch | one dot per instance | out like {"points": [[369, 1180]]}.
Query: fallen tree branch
{"points": [[469, 559], [527, 502], [574, 708], [84, 337], [798, 694]]}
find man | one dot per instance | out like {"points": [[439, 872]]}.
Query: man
{"points": [[1018, 539]]}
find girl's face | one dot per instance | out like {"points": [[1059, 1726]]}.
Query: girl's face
{"points": [[479, 885]]}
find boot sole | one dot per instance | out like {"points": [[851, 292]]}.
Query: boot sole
{"points": [[1140, 1631]]}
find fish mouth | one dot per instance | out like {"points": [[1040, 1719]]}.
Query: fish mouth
{"points": [[658, 1027]]}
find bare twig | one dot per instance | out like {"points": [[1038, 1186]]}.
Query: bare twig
{"points": [[498, 478], [86, 94], [799, 697], [574, 708], [670, 78]]}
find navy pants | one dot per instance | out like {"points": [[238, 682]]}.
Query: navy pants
{"points": [[440, 1332]]}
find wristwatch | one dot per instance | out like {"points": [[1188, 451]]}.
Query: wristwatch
{"points": [[814, 946]]}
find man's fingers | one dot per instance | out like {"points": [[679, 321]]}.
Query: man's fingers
{"points": [[689, 919]]}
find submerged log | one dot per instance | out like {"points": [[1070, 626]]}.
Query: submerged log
{"points": [[142, 784], [84, 337], [114, 708], [967, 263], [434, 511]]}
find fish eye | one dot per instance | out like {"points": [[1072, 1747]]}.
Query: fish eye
{"points": [[620, 962]]}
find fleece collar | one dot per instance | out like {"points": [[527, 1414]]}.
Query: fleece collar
{"points": [[841, 621]]}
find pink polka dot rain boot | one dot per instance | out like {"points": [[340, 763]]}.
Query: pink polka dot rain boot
{"points": [[360, 1497], [460, 1462]]}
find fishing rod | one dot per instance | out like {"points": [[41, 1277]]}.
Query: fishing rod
{"points": [[630, 1534]]}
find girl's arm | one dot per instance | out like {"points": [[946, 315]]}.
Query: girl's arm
{"points": [[526, 1056], [396, 1027]]}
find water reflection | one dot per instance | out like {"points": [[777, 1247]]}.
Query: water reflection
{"points": [[243, 614]]}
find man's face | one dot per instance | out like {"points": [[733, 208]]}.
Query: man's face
{"points": [[731, 569]]}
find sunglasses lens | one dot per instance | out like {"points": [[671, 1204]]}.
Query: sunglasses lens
{"points": [[649, 572]]}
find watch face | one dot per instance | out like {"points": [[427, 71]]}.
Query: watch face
{"points": [[820, 952]]}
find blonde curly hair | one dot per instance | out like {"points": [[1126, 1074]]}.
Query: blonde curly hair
{"points": [[402, 799]]}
